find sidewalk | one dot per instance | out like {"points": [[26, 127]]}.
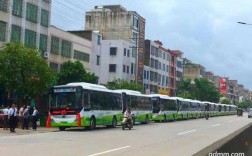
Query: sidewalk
{"points": [[20, 131]]}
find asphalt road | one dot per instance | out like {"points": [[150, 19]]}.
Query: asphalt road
{"points": [[155, 139]]}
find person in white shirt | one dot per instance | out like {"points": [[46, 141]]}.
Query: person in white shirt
{"points": [[26, 118], [5, 112], [12, 114], [34, 118]]}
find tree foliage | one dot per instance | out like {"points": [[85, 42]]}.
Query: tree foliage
{"points": [[202, 89], [124, 84], [245, 105], [225, 101], [75, 72], [23, 71]]}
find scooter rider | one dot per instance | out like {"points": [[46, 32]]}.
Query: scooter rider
{"points": [[127, 115]]}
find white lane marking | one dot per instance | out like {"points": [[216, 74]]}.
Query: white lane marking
{"points": [[215, 125], [230, 121], [116, 149], [187, 132]]}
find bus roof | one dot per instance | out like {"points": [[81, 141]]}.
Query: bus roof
{"points": [[159, 95], [85, 85]]}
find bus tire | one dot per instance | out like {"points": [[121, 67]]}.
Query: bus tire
{"points": [[147, 119], [92, 123], [114, 122], [164, 119], [62, 128]]}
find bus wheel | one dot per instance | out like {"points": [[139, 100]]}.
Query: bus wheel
{"points": [[92, 123], [164, 120], [114, 122], [147, 119], [62, 128]]}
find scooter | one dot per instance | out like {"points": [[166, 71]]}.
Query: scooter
{"points": [[127, 124], [207, 115]]}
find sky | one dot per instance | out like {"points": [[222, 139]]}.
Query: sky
{"points": [[206, 31]]}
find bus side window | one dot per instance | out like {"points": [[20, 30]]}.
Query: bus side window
{"points": [[86, 102]]}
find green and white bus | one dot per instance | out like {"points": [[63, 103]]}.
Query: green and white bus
{"points": [[140, 105], [84, 105], [164, 107]]}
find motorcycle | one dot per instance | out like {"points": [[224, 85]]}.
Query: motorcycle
{"points": [[207, 115], [127, 123]]}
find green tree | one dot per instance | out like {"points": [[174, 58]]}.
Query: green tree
{"points": [[75, 72], [23, 71], [225, 101], [201, 89], [124, 84]]}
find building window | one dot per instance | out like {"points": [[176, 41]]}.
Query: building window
{"points": [[167, 68], [48, 1], [54, 45], [124, 68], [97, 60], [15, 33], [147, 75], [134, 36], [81, 56], [164, 55], [127, 69], [31, 12], [17, 7], [44, 17], [163, 67], [124, 52], [112, 68], [132, 68], [43, 43], [98, 40], [3, 5], [2, 30], [135, 22], [113, 50], [54, 66], [66, 48], [128, 53], [134, 52], [30, 38]]}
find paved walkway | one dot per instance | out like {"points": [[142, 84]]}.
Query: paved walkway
{"points": [[26, 132]]}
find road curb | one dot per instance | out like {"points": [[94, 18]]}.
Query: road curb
{"points": [[222, 142]]}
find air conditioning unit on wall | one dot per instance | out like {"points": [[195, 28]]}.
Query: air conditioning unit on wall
{"points": [[46, 55]]}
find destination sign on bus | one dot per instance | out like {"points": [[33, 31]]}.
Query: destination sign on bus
{"points": [[62, 90]]}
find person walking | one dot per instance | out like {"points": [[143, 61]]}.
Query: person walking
{"points": [[21, 117], [5, 112], [34, 118], [12, 114], [26, 118]]}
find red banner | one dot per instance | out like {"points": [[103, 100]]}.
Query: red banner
{"points": [[223, 87]]}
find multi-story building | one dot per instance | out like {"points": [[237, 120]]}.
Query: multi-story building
{"points": [[95, 57], [209, 75], [192, 70], [157, 68], [27, 21], [114, 22], [176, 70], [117, 61], [65, 46]]}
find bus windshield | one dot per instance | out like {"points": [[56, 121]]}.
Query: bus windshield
{"points": [[66, 100]]}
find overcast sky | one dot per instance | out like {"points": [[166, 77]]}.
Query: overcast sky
{"points": [[206, 31]]}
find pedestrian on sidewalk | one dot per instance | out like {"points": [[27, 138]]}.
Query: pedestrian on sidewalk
{"points": [[6, 120], [35, 115], [21, 117], [12, 114], [26, 118]]}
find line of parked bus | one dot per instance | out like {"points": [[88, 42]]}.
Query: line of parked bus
{"points": [[89, 105]]}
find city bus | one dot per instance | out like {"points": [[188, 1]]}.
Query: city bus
{"points": [[164, 107], [140, 105], [84, 105]]}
